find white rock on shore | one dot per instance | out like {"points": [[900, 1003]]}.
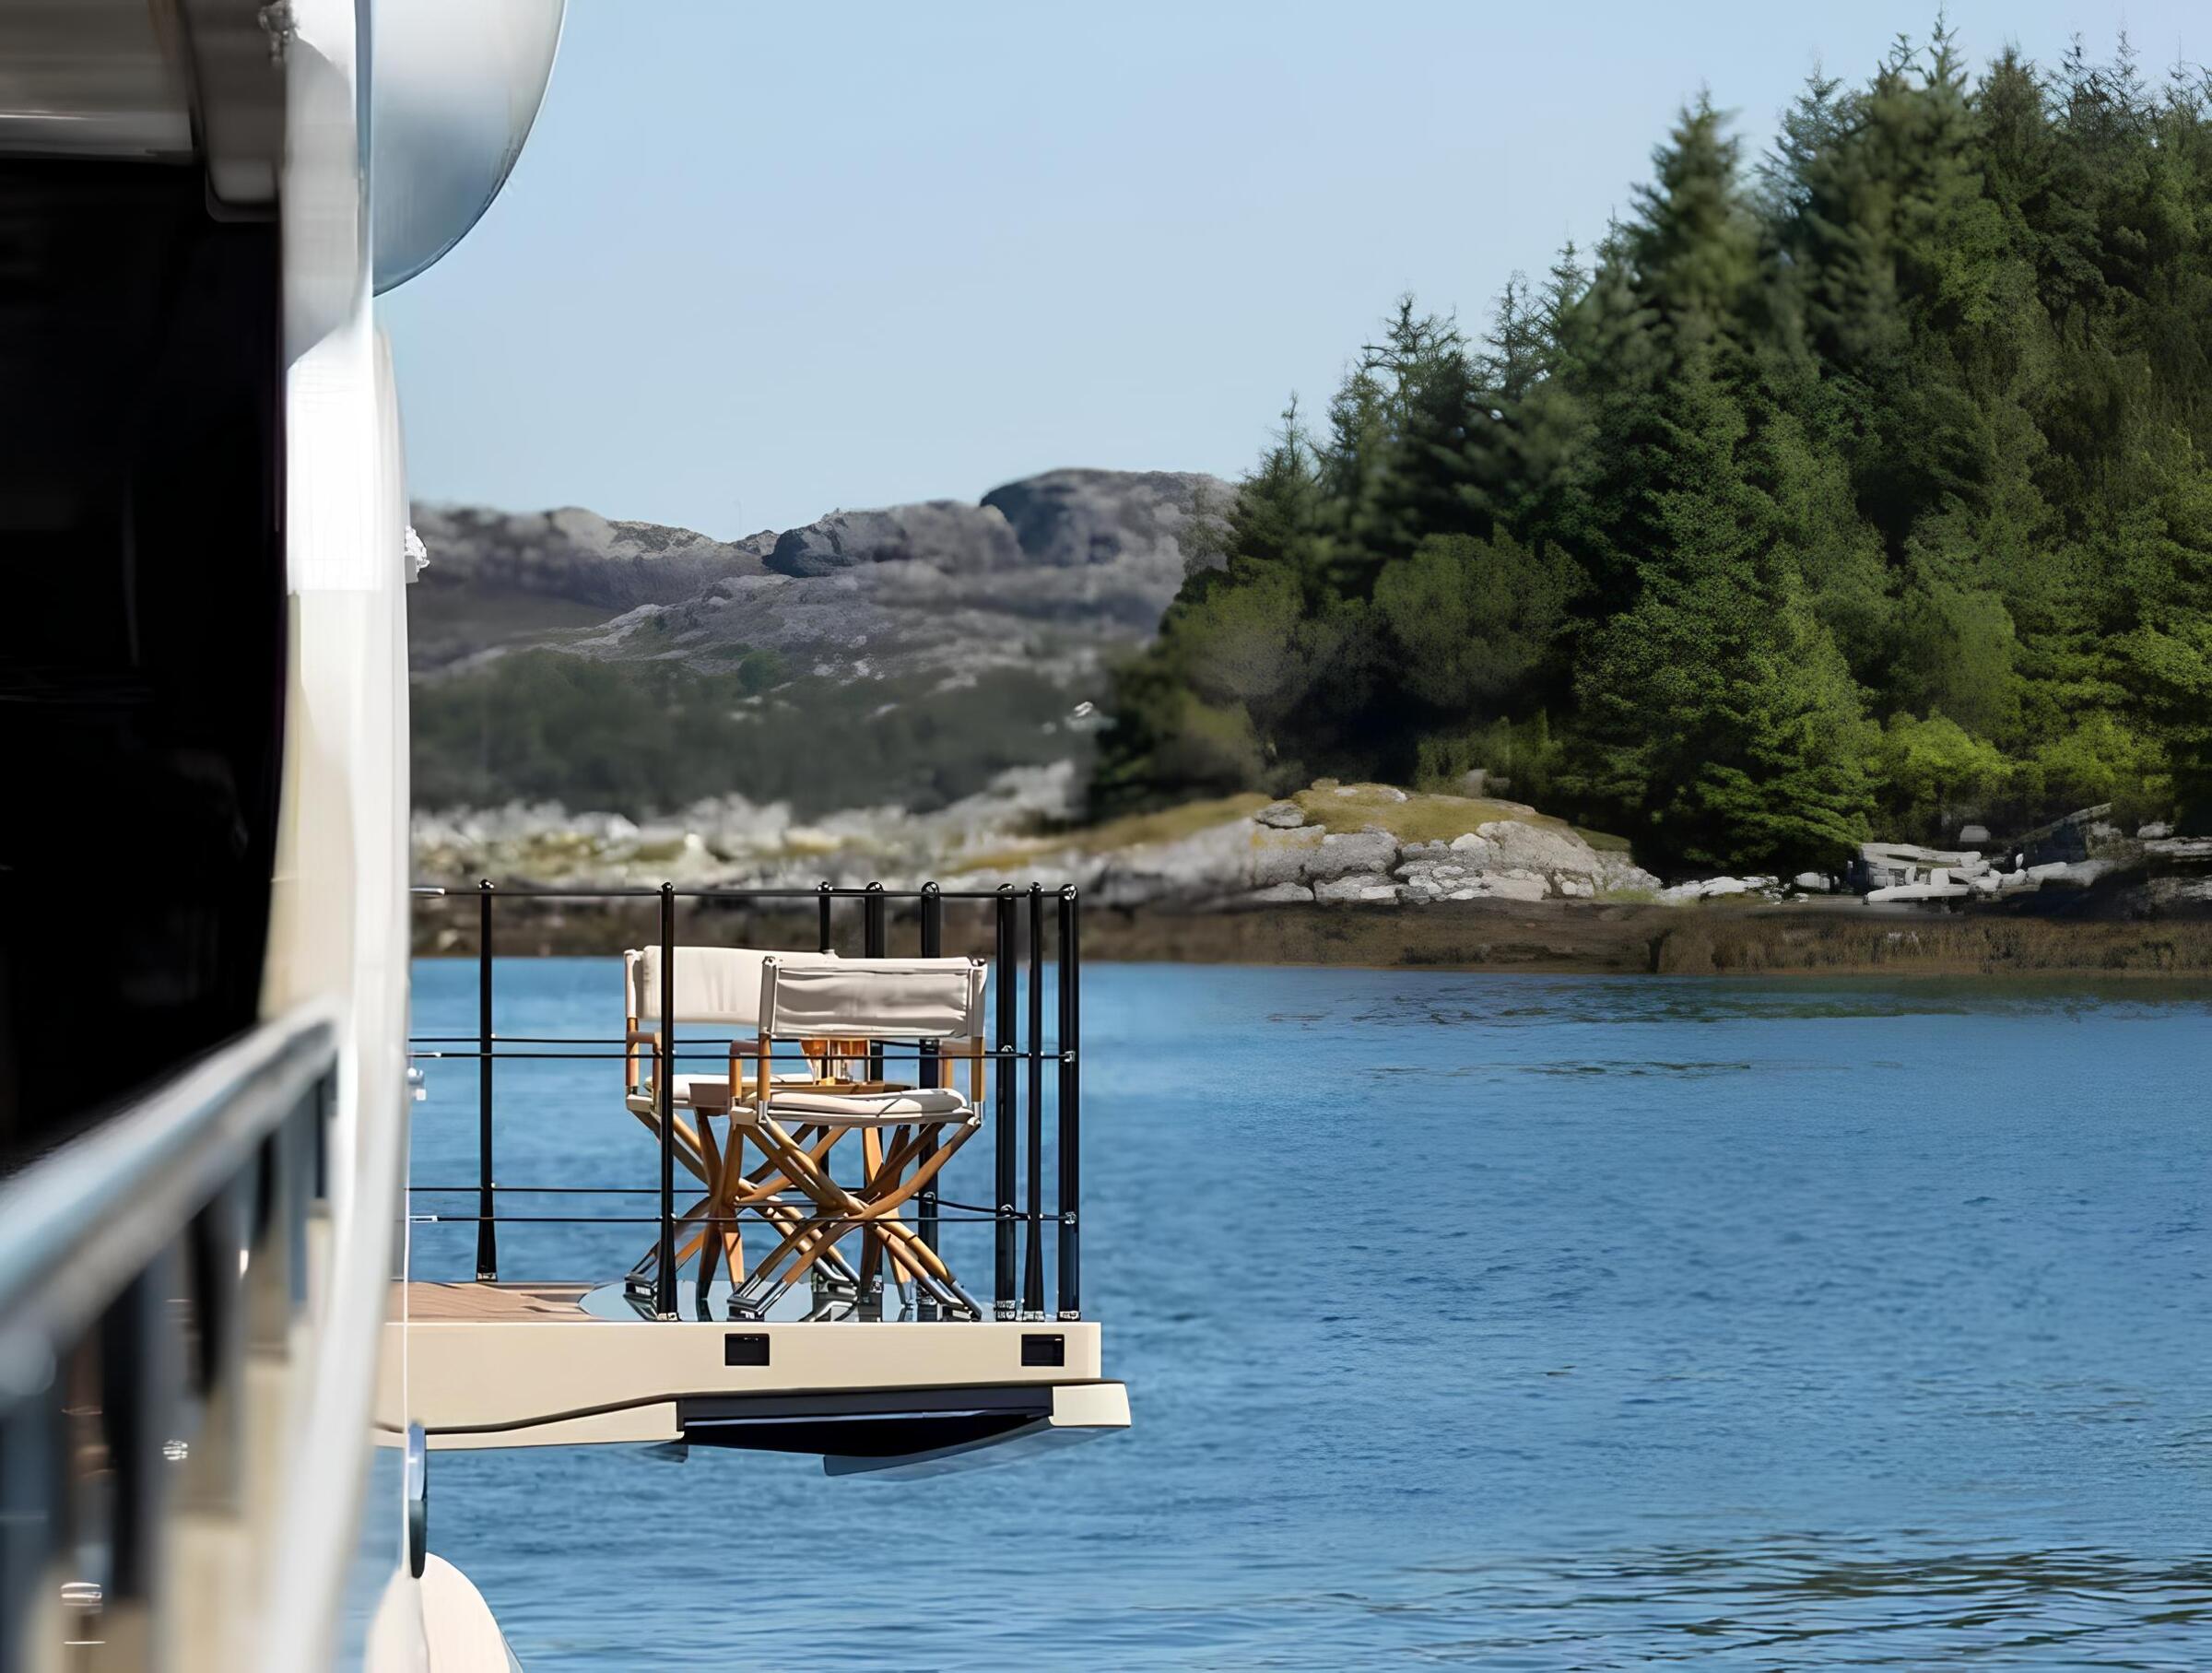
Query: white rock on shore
{"points": [[1372, 888], [1373, 850], [1717, 889]]}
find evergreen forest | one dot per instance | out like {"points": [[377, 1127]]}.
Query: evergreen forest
{"points": [[1858, 488]]}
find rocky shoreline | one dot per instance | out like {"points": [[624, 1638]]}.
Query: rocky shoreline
{"points": [[1331, 843], [1339, 874]]}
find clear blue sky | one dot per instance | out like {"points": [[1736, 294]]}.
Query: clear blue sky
{"points": [[759, 261]]}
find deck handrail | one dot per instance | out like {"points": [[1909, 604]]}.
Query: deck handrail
{"points": [[78, 1223], [147, 1266]]}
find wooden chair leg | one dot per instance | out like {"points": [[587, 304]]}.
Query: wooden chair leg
{"points": [[842, 1211], [813, 1237], [733, 1172], [685, 1146], [710, 1249], [871, 1242], [785, 1219], [710, 1239], [807, 1175], [880, 1210], [688, 1216]]}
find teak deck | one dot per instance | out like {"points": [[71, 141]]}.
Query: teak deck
{"points": [[491, 1303]]}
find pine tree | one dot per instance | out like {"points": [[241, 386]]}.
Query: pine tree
{"points": [[1813, 123], [1517, 347], [1273, 520], [1445, 453], [1565, 285], [1351, 463], [1720, 716]]}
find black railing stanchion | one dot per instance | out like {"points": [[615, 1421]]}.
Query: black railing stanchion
{"points": [[663, 1099], [1003, 1301], [1070, 1072], [872, 944], [821, 912], [488, 1234], [933, 946], [1032, 1265]]}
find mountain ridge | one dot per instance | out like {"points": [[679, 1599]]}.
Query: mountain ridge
{"points": [[1062, 565], [908, 656]]}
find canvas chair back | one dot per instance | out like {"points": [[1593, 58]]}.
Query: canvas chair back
{"points": [[719, 986], [873, 998], [713, 985]]}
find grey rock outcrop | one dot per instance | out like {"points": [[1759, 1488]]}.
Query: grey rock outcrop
{"points": [[1285, 857], [1262, 859], [1472, 875], [1077, 519], [571, 554], [949, 536], [1052, 575], [1374, 852], [1369, 888]]}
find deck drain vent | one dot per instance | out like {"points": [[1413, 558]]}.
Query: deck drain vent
{"points": [[1044, 1350], [738, 1348]]}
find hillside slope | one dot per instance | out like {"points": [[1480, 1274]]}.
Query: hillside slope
{"points": [[904, 656]]}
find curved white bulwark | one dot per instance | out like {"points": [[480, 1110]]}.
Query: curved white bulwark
{"points": [[386, 166]]}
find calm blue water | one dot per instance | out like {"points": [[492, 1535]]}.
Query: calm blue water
{"points": [[1517, 1321]]}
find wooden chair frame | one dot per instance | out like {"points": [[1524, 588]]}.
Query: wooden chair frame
{"points": [[874, 1207], [713, 1225]]}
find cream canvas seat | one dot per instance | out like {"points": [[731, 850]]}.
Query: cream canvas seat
{"points": [[863, 1001], [855, 1109], [707, 1092]]}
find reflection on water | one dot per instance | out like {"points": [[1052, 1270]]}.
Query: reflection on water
{"points": [[1522, 1322]]}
